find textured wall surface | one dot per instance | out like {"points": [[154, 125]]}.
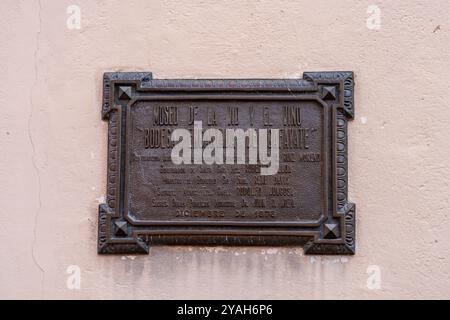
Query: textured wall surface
{"points": [[53, 142]]}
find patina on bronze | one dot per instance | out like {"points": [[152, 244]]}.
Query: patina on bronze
{"points": [[150, 200]]}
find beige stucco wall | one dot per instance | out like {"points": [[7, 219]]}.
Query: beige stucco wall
{"points": [[53, 142]]}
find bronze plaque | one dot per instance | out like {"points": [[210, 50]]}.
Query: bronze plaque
{"points": [[288, 187]]}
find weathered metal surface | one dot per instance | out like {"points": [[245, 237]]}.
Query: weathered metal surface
{"points": [[151, 200]]}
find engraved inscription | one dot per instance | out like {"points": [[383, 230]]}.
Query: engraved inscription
{"points": [[160, 190]]}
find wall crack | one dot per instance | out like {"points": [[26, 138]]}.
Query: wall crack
{"points": [[33, 148]]}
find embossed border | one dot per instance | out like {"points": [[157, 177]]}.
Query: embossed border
{"points": [[335, 236]]}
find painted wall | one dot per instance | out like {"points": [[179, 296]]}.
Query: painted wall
{"points": [[53, 142]]}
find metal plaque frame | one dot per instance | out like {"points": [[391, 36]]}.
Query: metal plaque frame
{"points": [[334, 233]]}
